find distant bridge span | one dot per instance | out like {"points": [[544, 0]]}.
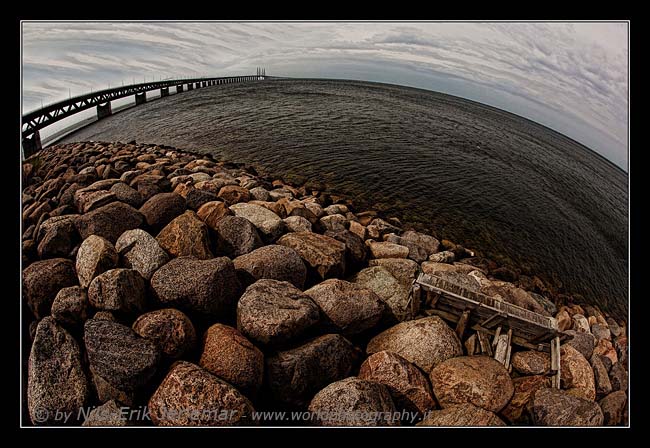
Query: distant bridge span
{"points": [[34, 121]]}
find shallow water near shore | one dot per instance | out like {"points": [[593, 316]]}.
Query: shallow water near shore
{"points": [[494, 182]]}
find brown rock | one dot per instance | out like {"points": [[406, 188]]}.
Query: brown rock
{"points": [[57, 236], [269, 224], [583, 342], [120, 290], [42, 281], [618, 377], [108, 414], [601, 376], [191, 396], [354, 402], [95, 256], [232, 194], [346, 307], [576, 374], [186, 235], [161, 209], [531, 362], [209, 287], [465, 414], [126, 194], [213, 212], [424, 342], [325, 255], [236, 236], [613, 406], [272, 312], [388, 250], [141, 252], [272, 262], [430, 244], [70, 307], [415, 251], [394, 293], [408, 387], [109, 221], [525, 387], [563, 320], [230, 356], [170, 329], [88, 200], [553, 407]]}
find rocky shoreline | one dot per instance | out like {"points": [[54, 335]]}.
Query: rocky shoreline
{"points": [[163, 287]]}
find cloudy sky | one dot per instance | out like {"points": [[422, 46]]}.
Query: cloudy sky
{"points": [[572, 77]]}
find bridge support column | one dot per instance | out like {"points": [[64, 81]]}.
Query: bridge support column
{"points": [[140, 98], [32, 144], [104, 110], [190, 86], [179, 89], [164, 91]]}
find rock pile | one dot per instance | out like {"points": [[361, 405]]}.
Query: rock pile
{"points": [[159, 278]]}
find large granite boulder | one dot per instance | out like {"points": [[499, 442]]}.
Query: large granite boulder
{"points": [[141, 252], [57, 236], [118, 290], [43, 280], [95, 256], [553, 407], [109, 221], [576, 373], [272, 262], [186, 235], [170, 329], [325, 255], [236, 236], [161, 209], [464, 414]]}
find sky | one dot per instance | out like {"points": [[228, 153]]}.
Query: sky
{"points": [[571, 77]]}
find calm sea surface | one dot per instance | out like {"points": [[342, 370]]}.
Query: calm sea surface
{"points": [[482, 177]]}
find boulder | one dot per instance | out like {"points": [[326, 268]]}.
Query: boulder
{"points": [[109, 221], [563, 320], [120, 361], [186, 235], [575, 373], [232, 194], [236, 236], [525, 387], [213, 212], [613, 407], [479, 380], [510, 293], [161, 208], [88, 200], [141, 252], [195, 198], [580, 324], [70, 307], [384, 227], [386, 249], [272, 262], [119, 290], [354, 402], [108, 414], [95, 256], [553, 407], [355, 248], [126, 194], [405, 271], [168, 328], [57, 236], [430, 244], [583, 342], [618, 377], [346, 307], [43, 280], [56, 382], [531, 362], [465, 414], [208, 287], [325, 255], [601, 376], [446, 256], [333, 223], [227, 354], [408, 386], [415, 252], [424, 342], [396, 295], [267, 222], [191, 396], [259, 194], [601, 331], [273, 312], [297, 224]]}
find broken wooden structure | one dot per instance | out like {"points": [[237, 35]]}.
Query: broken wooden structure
{"points": [[489, 316]]}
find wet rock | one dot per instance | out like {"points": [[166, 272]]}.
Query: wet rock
{"points": [[141, 252], [583, 342], [227, 354], [325, 255], [618, 377], [108, 414], [267, 222], [57, 236], [445, 256], [274, 312], [70, 307], [553, 407], [384, 227], [42, 281], [56, 382], [120, 360], [614, 328], [424, 342], [209, 287], [347, 307], [354, 402], [186, 235], [213, 212], [531, 362], [333, 222], [191, 396], [388, 250], [525, 387], [95, 256], [430, 244], [196, 198], [119, 290], [396, 296], [576, 374], [236, 236], [272, 262], [126, 194], [355, 248], [601, 376], [479, 380], [109, 221], [408, 387], [161, 209], [297, 224], [465, 414], [168, 328], [613, 406], [415, 251], [233, 194]]}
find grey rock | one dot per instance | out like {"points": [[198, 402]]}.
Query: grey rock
{"points": [[583, 342], [268, 223], [236, 236], [95, 256], [109, 221], [57, 236], [272, 262], [126, 194], [160, 209], [141, 252], [70, 307], [553, 407], [118, 290], [43, 280], [297, 224], [613, 407], [396, 296], [445, 256], [618, 377]]}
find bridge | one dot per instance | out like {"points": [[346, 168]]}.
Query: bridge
{"points": [[34, 121]]}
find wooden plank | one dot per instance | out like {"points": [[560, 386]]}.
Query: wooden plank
{"points": [[484, 343], [493, 319], [501, 350], [559, 362], [462, 324], [496, 336], [470, 345]]}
